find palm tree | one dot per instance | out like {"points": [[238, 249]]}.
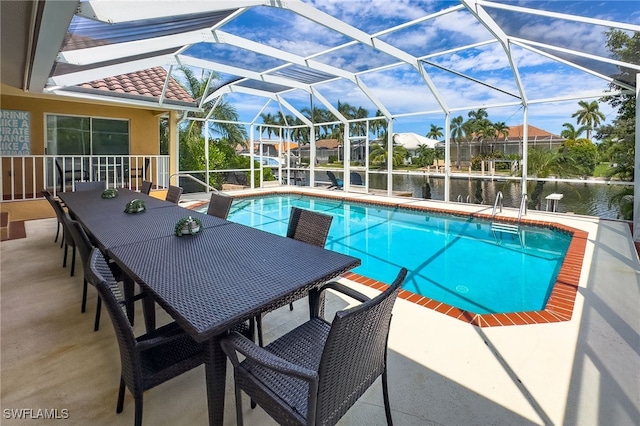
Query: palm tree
{"points": [[317, 115], [457, 131], [378, 127], [501, 129], [269, 120], [570, 132], [435, 132], [590, 115], [197, 88], [542, 164], [477, 123], [379, 153], [349, 112], [359, 128], [485, 131]]}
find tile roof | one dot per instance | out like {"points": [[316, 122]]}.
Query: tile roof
{"points": [[147, 82], [515, 132]]}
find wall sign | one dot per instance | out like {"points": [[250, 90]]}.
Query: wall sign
{"points": [[15, 132]]}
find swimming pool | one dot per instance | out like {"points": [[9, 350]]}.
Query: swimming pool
{"points": [[457, 260]]}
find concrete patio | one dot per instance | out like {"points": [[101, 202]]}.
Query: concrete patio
{"points": [[442, 371]]}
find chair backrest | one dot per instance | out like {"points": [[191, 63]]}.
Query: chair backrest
{"points": [[90, 186], [66, 220], [355, 353], [111, 296], [80, 238], [356, 179], [334, 180], [308, 226], [173, 194], [219, 205], [146, 187], [55, 204]]}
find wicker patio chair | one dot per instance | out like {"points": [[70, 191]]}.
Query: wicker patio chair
{"points": [[67, 239], [307, 226], [146, 187], [219, 205], [73, 171], [316, 372], [54, 204], [90, 186], [109, 270], [148, 360], [173, 194]]}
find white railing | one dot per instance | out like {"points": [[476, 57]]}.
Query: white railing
{"points": [[24, 177]]}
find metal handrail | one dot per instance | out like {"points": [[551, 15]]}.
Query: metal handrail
{"points": [[523, 207], [498, 201], [187, 175]]}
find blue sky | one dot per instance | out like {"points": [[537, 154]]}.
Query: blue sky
{"points": [[402, 90]]}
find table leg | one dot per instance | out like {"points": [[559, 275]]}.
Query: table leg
{"points": [[316, 304], [149, 312], [216, 375]]}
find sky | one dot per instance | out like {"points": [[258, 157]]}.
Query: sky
{"points": [[482, 74]]}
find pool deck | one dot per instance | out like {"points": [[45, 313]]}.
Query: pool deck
{"points": [[442, 371]]}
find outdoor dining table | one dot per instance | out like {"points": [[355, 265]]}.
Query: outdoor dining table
{"points": [[222, 276]]}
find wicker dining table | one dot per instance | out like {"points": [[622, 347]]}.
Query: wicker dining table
{"points": [[208, 282]]}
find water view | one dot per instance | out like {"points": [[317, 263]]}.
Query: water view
{"points": [[591, 199]]}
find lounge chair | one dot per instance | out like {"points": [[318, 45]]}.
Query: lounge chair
{"points": [[356, 179], [335, 182], [313, 374]]}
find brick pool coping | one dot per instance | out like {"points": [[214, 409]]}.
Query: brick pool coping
{"points": [[559, 306]]}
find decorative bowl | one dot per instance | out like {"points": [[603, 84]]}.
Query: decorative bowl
{"points": [[187, 226], [110, 193], [135, 206]]}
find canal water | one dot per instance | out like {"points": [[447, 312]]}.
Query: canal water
{"points": [[591, 199]]}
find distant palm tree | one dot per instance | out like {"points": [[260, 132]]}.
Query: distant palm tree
{"points": [[570, 132], [485, 132], [349, 112], [477, 124], [318, 115], [501, 129], [457, 132], [269, 120], [379, 154], [435, 132], [590, 115], [542, 164], [379, 127]]}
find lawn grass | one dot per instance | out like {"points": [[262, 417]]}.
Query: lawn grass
{"points": [[602, 169]]}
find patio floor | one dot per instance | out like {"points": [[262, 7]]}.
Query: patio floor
{"points": [[442, 371]]}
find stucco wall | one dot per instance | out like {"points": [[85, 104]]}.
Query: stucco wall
{"points": [[144, 133]]}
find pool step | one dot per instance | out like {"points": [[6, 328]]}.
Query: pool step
{"points": [[505, 227]]}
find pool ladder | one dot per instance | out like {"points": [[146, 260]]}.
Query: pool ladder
{"points": [[508, 228]]}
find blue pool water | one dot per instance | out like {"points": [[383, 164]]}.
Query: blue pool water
{"points": [[456, 260]]}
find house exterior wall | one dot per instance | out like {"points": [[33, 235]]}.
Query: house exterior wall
{"points": [[144, 125], [144, 132]]}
